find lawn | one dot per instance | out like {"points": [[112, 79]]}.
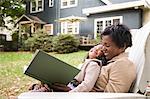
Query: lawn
{"points": [[13, 81]]}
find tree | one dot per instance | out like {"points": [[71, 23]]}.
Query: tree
{"points": [[12, 8]]}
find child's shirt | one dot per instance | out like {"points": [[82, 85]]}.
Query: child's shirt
{"points": [[87, 77]]}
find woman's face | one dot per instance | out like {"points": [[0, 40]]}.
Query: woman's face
{"points": [[95, 51], [110, 49]]}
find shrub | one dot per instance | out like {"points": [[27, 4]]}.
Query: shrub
{"points": [[65, 43], [15, 38], [39, 40]]}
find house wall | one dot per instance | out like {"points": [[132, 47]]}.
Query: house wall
{"points": [[121, 1], [49, 15], [77, 11], [131, 17]]}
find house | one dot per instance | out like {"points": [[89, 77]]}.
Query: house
{"points": [[84, 17], [6, 32]]}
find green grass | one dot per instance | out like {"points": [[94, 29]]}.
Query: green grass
{"points": [[13, 81]]}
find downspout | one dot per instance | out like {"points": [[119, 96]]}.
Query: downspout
{"points": [[57, 16]]}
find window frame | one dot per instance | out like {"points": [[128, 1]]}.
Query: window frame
{"points": [[73, 25], [68, 4], [51, 3], [104, 22], [36, 6], [51, 30]]}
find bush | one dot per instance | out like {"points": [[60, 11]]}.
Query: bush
{"points": [[15, 43], [39, 40], [65, 43]]}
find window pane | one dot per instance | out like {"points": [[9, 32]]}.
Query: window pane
{"points": [[39, 5], [70, 31], [49, 28], [116, 21], [68, 3], [70, 28], [64, 3], [108, 23], [76, 30], [72, 2], [33, 6], [99, 27], [63, 27]]}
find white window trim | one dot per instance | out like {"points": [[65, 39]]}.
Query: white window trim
{"points": [[51, 3], [69, 6], [103, 19], [66, 29], [36, 1]]}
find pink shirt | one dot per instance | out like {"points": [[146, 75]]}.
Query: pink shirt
{"points": [[87, 76]]}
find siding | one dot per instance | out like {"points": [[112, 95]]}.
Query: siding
{"points": [[131, 17], [121, 1]]}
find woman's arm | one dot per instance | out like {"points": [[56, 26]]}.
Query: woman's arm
{"points": [[121, 76]]}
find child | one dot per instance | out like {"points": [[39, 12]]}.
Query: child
{"points": [[85, 80]]}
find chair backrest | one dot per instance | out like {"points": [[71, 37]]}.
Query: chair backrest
{"points": [[140, 55]]}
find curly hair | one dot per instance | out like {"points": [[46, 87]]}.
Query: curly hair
{"points": [[120, 35]]}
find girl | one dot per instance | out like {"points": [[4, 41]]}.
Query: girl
{"points": [[85, 80]]}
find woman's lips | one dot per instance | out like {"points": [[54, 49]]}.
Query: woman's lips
{"points": [[105, 54]]}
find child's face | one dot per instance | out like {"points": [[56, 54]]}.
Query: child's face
{"points": [[95, 51]]}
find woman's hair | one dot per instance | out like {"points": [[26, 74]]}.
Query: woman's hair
{"points": [[120, 35]]}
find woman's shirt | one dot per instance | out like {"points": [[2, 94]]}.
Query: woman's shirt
{"points": [[117, 76]]}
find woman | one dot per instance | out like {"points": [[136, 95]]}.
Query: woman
{"points": [[120, 73]]}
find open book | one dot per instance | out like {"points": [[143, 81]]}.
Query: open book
{"points": [[49, 69]]}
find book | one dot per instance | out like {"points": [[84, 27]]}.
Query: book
{"points": [[49, 69]]}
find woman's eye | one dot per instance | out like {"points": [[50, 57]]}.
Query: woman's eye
{"points": [[107, 46]]}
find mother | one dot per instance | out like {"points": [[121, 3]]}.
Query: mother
{"points": [[120, 72]]}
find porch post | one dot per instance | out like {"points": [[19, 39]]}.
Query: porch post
{"points": [[20, 34], [32, 27]]}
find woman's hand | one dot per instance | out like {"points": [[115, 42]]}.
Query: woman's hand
{"points": [[60, 87]]}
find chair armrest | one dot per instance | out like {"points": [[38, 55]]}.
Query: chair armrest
{"points": [[79, 95]]}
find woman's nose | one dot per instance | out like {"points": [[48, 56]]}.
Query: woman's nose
{"points": [[103, 48]]}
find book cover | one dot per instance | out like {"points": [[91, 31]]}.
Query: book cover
{"points": [[49, 69]]}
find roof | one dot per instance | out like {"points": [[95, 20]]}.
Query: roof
{"points": [[30, 19], [71, 19], [114, 7]]}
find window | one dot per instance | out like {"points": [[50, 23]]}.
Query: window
{"points": [[48, 29], [102, 23], [51, 3], [68, 3], [36, 6], [70, 27], [2, 39]]}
